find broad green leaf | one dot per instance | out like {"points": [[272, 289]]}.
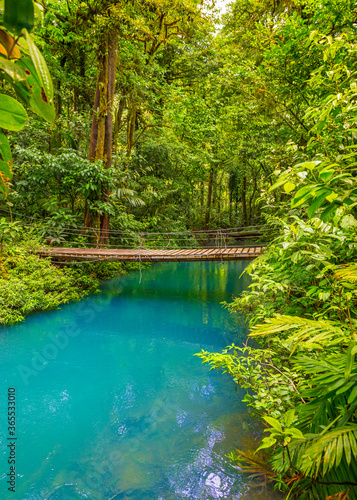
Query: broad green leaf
{"points": [[328, 213], [331, 197], [12, 114], [18, 15], [326, 176], [31, 93], [303, 191], [288, 187], [303, 195], [317, 203], [296, 433], [5, 164], [296, 203], [289, 417], [41, 69], [267, 442], [5, 157], [14, 70], [274, 423]]}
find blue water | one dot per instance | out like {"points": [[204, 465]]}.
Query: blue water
{"points": [[111, 402]]}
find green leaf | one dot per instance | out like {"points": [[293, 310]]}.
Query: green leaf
{"points": [[5, 164], [339, 451], [303, 195], [303, 191], [41, 69], [347, 447], [353, 395], [274, 423], [326, 463], [331, 197], [328, 213], [288, 187], [326, 176], [31, 93], [349, 360], [317, 203], [267, 442], [12, 114], [12, 69], [19, 14], [296, 433], [5, 157], [353, 444], [289, 417]]}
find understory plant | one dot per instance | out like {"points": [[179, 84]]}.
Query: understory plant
{"points": [[29, 283], [302, 380], [302, 304]]}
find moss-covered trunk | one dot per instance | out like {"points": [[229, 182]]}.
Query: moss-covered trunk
{"points": [[101, 138]]}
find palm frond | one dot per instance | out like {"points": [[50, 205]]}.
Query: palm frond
{"points": [[348, 273], [329, 449], [307, 333], [130, 196]]}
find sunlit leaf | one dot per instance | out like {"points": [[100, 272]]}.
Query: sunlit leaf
{"points": [[12, 114], [19, 15], [41, 69]]}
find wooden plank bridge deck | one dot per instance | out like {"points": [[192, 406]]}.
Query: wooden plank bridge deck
{"points": [[153, 255]]}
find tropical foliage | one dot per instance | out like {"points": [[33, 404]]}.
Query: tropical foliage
{"points": [[302, 302], [161, 119]]}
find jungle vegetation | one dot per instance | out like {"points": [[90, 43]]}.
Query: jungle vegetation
{"points": [[161, 116]]}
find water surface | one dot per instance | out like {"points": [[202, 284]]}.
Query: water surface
{"points": [[111, 402]]}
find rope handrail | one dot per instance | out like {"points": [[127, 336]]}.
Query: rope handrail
{"points": [[81, 229]]}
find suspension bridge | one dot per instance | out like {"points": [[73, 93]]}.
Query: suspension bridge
{"points": [[180, 246], [70, 243], [152, 255]]}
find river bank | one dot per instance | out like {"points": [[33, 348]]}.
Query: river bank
{"points": [[31, 284]]}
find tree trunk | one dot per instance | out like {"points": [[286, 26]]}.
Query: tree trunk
{"points": [[101, 138], [230, 204], [117, 123], [209, 198], [244, 199], [202, 194], [131, 127]]}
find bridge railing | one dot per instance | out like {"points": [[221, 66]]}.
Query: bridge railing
{"points": [[71, 235]]}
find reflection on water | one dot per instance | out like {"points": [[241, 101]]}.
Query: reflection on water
{"points": [[112, 404]]}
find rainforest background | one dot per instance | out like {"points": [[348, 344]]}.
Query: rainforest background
{"points": [[159, 116]]}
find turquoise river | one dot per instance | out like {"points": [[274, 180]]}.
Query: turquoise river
{"points": [[112, 404]]}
